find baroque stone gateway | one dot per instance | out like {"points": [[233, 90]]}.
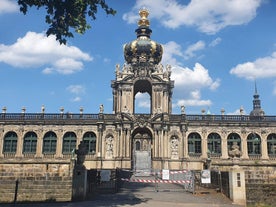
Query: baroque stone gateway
{"points": [[40, 151]]}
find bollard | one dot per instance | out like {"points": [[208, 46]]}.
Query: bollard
{"points": [[15, 191]]}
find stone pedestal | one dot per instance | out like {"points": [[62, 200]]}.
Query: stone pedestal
{"points": [[79, 183], [237, 185]]}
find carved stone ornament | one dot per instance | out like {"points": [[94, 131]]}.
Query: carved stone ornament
{"points": [[235, 151], [141, 121]]}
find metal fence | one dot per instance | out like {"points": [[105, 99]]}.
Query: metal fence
{"points": [[158, 180]]}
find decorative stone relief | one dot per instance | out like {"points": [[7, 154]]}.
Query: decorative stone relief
{"points": [[109, 147], [174, 143]]}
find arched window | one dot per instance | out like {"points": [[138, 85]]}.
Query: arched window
{"points": [[29, 144], [233, 138], [49, 143], [254, 144], [214, 144], [89, 139], [69, 142], [271, 144], [194, 144], [137, 145], [10, 142]]}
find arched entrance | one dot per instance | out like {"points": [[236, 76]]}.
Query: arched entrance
{"points": [[141, 152]]}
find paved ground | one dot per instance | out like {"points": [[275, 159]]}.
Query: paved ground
{"points": [[143, 199]]}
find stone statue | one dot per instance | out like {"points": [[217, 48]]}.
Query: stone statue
{"points": [[125, 109], [109, 147], [182, 109], [235, 151], [101, 108], [81, 152]]}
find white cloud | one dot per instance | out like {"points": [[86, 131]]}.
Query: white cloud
{"points": [[76, 99], [37, 50], [8, 6], [76, 89], [197, 78], [172, 50], [193, 102], [190, 82], [190, 51], [215, 42], [142, 100], [207, 16], [260, 68]]}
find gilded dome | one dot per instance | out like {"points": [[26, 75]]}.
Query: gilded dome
{"points": [[143, 49]]}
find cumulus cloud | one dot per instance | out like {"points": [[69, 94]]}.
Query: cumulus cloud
{"points": [[260, 68], [190, 82], [37, 50], [198, 77], [207, 16], [173, 51], [8, 6]]}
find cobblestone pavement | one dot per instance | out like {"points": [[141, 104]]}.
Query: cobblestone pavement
{"points": [[143, 199]]}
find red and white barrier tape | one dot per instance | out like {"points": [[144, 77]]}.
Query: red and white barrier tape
{"points": [[155, 181], [177, 172]]}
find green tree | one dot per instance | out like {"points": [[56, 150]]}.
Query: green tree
{"points": [[65, 15]]}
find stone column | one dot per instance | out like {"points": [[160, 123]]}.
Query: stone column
{"points": [[100, 142], [165, 142], [165, 101], [154, 144], [59, 144], [1, 142], [39, 144], [20, 143], [128, 143], [264, 148], [204, 145], [244, 146], [185, 144], [124, 143], [121, 132], [117, 137], [224, 150]]}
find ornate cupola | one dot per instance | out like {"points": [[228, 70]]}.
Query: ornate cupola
{"points": [[257, 110], [143, 50], [142, 73]]}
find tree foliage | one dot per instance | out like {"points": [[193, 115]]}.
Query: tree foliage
{"points": [[65, 15]]}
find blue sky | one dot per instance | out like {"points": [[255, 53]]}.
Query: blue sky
{"points": [[216, 48]]}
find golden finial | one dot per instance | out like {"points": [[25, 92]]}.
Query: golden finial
{"points": [[143, 14]]}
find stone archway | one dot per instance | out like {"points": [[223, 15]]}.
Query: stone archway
{"points": [[141, 152]]}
